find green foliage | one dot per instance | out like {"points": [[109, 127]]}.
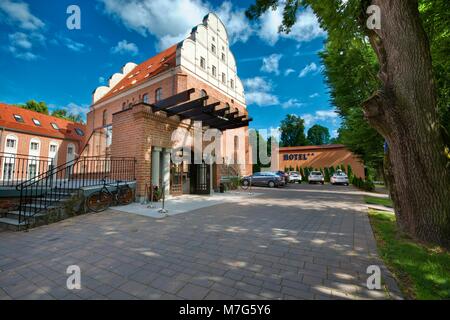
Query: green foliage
{"points": [[33, 105], [378, 201], [435, 17], [422, 271], [293, 131], [64, 114], [349, 172], [318, 135], [327, 175]]}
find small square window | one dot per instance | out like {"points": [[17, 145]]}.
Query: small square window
{"points": [[223, 57], [52, 148], [34, 146], [213, 49], [55, 126], [36, 122], [18, 118], [10, 143]]}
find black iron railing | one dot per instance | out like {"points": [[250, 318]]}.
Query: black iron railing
{"points": [[48, 189], [17, 168]]}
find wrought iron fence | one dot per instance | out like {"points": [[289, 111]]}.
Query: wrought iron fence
{"points": [[49, 188], [17, 168]]}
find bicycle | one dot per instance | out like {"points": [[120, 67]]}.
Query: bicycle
{"points": [[103, 199]]}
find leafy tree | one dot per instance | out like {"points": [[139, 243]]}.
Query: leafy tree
{"points": [[318, 135], [33, 105], [404, 109], [293, 131], [64, 114]]}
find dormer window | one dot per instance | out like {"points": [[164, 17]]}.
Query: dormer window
{"points": [[55, 126], [36, 122], [18, 118], [202, 63]]}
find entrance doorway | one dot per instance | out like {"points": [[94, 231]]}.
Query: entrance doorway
{"points": [[179, 177], [201, 178]]}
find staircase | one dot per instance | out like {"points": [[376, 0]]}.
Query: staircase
{"points": [[43, 198]]}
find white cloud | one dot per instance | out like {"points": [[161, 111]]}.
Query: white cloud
{"points": [[257, 84], [314, 95], [18, 14], [261, 98], [77, 109], [288, 72], [70, 44], [238, 26], [320, 115], [271, 63], [21, 44], [292, 103], [101, 80], [125, 47], [172, 21], [258, 91], [305, 29], [310, 68]]}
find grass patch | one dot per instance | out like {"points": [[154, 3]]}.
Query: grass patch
{"points": [[422, 271], [379, 201]]}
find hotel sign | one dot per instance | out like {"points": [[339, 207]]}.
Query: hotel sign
{"points": [[296, 156]]}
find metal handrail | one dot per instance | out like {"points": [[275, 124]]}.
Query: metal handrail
{"points": [[41, 192]]}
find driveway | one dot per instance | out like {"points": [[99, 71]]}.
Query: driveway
{"points": [[300, 242]]}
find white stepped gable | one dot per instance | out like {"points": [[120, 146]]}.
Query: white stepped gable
{"points": [[206, 53], [100, 92]]}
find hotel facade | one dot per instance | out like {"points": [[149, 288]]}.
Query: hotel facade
{"points": [[320, 157]]}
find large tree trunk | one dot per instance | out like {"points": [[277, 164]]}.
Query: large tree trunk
{"points": [[404, 111]]}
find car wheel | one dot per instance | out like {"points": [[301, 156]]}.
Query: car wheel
{"points": [[271, 184]]}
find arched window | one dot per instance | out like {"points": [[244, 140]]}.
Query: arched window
{"points": [[158, 94], [203, 93], [11, 143], [104, 118]]}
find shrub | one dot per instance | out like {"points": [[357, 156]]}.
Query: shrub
{"points": [[327, 175], [369, 185]]}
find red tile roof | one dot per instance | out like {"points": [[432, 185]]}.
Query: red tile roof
{"points": [[302, 148], [144, 71], [66, 128]]}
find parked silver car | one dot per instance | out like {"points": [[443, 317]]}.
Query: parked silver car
{"points": [[294, 177], [263, 179], [316, 177], [339, 178]]}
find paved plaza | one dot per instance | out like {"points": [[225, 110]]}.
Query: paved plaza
{"points": [[300, 242]]}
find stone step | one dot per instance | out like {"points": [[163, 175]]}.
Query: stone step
{"points": [[15, 214], [11, 224]]}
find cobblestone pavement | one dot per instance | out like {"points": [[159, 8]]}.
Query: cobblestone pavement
{"points": [[300, 242]]}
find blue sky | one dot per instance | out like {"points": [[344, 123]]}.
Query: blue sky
{"points": [[40, 58]]}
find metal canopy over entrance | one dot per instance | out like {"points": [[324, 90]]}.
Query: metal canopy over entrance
{"points": [[211, 114]]}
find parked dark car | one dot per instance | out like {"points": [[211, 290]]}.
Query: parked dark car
{"points": [[284, 176], [263, 179]]}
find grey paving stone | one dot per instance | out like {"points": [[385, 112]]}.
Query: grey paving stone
{"points": [[193, 292]]}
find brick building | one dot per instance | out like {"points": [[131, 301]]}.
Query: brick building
{"points": [[143, 105], [31, 142], [318, 157]]}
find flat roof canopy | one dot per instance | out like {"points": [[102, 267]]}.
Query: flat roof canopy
{"points": [[212, 114]]}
